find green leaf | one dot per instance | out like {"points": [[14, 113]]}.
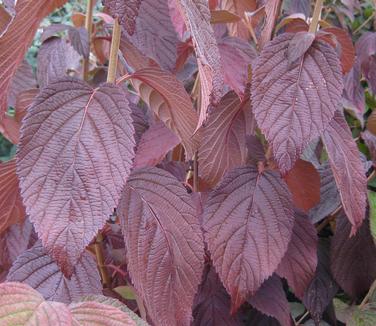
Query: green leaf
{"points": [[372, 212], [126, 292], [365, 316]]}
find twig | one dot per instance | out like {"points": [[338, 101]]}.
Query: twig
{"points": [[89, 27], [98, 248], [116, 33], [316, 16], [302, 318]]}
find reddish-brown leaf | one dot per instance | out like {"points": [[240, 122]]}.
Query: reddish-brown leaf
{"points": [[17, 38], [348, 169], [303, 181], [294, 103], [223, 144], [271, 300], [56, 58], [248, 221], [154, 144], [322, 288], [126, 11], [341, 40], [272, 8], [236, 56], [12, 210], [164, 244], [167, 97], [212, 304], [75, 154], [299, 264], [353, 260], [37, 269], [196, 14]]}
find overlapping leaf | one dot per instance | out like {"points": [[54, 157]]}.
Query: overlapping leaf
{"points": [[127, 11], [248, 221], [212, 304], [322, 288], [164, 244], [271, 11], [347, 169], [223, 144], [56, 58], [37, 269], [75, 155], [12, 210], [299, 264], [167, 97], [22, 305], [16, 39], [155, 143], [353, 260], [196, 14], [294, 103], [271, 300], [303, 181]]}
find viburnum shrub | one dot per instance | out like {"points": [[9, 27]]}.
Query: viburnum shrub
{"points": [[187, 162]]}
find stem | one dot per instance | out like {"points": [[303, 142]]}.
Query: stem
{"points": [[316, 16], [89, 28], [302, 318], [116, 33], [98, 248]]}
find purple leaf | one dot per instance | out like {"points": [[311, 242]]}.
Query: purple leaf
{"points": [[155, 143], [223, 144], [294, 103], [37, 269], [322, 288], [299, 45], [299, 264], [75, 155], [126, 10], [348, 169], [212, 303], [353, 260], [270, 299], [248, 221], [164, 244], [196, 14]]}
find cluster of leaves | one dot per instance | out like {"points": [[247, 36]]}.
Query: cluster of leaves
{"points": [[225, 177]]}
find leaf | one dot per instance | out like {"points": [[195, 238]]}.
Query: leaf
{"points": [[22, 305], [322, 288], [155, 34], [75, 155], [117, 304], [329, 195], [303, 181], [343, 42], [347, 169], [294, 103], [236, 56], [248, 220], [95, 313], [55, 59], [155, 143], [176, 18], [125, 292], [19, 237], [223, 144], [12, 210], [299, 264], [223, 17], [17, 38], [37, 269], [370, 141], [164, 244], [196, 14], [126, 10], [299, 45], [372, 213], [212, 303], [272, 8], [270, 299], [167, 97], [364, 316], [297, 6], [353, 261]]}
